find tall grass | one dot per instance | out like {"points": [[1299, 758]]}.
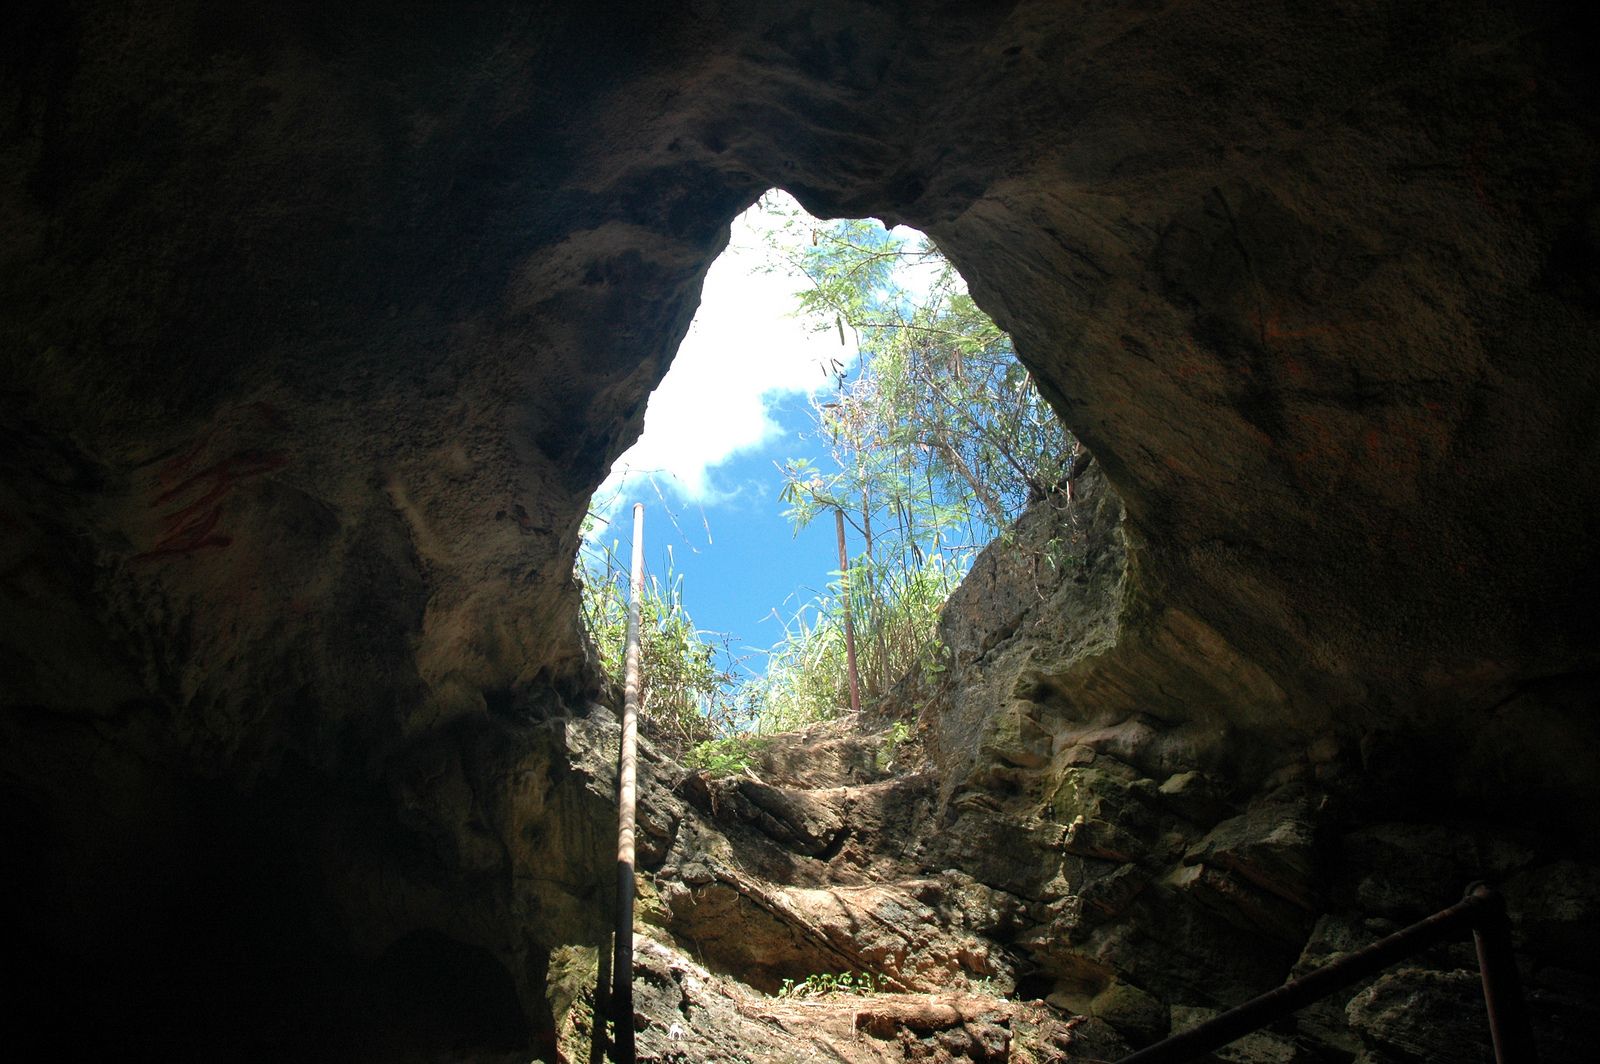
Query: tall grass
{"points": [[688, 698], [896, 613]]}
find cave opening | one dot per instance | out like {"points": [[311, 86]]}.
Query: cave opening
{"points": [[841, 434], [322, 321]]}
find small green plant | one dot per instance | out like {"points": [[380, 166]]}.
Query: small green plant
{"points": [[726, 757], [985, 986], [899, 733], [819, 983]]}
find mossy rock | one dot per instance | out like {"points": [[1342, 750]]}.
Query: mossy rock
{"points": [[1136, 1015], [1095, 793]]}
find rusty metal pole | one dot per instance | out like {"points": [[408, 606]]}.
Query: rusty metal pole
{"points": [[1509, 1028], [849, 624], [1346, 971], [627, 797]]}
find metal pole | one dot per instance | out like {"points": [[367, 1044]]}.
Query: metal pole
{"points": [[1298, 993], [627, 796], [1502, 989], [849, 624]]}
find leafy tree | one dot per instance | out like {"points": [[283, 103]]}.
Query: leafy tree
{"points": [[933, 442], [938, 419], [936, 440]]}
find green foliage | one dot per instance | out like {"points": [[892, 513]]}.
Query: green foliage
{"points": [[897, 616], [899, 733], [934, 442], [820, 983], [939, 419], [805, 677], [684, 696], [728, 756]]}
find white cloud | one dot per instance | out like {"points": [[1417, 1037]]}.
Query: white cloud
{"points": [[745, 351]]}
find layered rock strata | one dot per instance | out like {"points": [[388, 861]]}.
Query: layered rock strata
{"points": [[1126, 875]]}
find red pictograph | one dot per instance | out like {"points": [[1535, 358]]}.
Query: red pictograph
{"points": [[199, 496]]}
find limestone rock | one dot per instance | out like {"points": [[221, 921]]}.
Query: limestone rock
{"points": [[1195, 797], [1332, 937], [1556, 911], [1137, 1016], [1241, 903], [1428, 1015], [1271, 847], [795, 819], [1413, 869], [1259, 1047]]}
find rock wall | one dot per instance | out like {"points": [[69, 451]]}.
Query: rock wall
{"points": [[1159, 868], [1041, 871], [319, 325]]}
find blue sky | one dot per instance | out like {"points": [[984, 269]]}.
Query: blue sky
{"points": [[735, 401], [738, 555]]}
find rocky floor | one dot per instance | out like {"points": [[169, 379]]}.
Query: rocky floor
{"points": [[688, 1013], [807, 863], [1035, 870], [1074, 920]]}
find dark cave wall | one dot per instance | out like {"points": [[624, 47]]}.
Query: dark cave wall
{"points": [[320, 325]]}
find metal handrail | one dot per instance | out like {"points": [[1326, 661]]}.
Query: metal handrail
{"points": [[1483, 910]]}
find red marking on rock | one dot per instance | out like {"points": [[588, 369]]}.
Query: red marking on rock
{"points": [[1474, 169], [183, 549], [226, 473], [265, 414], [191, 527], [175, 467]]}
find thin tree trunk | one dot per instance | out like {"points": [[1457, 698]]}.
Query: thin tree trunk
{"points": [[849, 624], [874, 598], [996, 513], [982, 433], [627, 797]]}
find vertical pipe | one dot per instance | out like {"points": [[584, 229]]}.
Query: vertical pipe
{"points": [[849, 625], [1502, 990], [627, 796]]}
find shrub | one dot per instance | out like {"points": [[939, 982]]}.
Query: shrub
{"points": [[684, 695]]}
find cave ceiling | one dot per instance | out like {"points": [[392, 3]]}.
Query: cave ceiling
{"points": [[300, 303]]}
